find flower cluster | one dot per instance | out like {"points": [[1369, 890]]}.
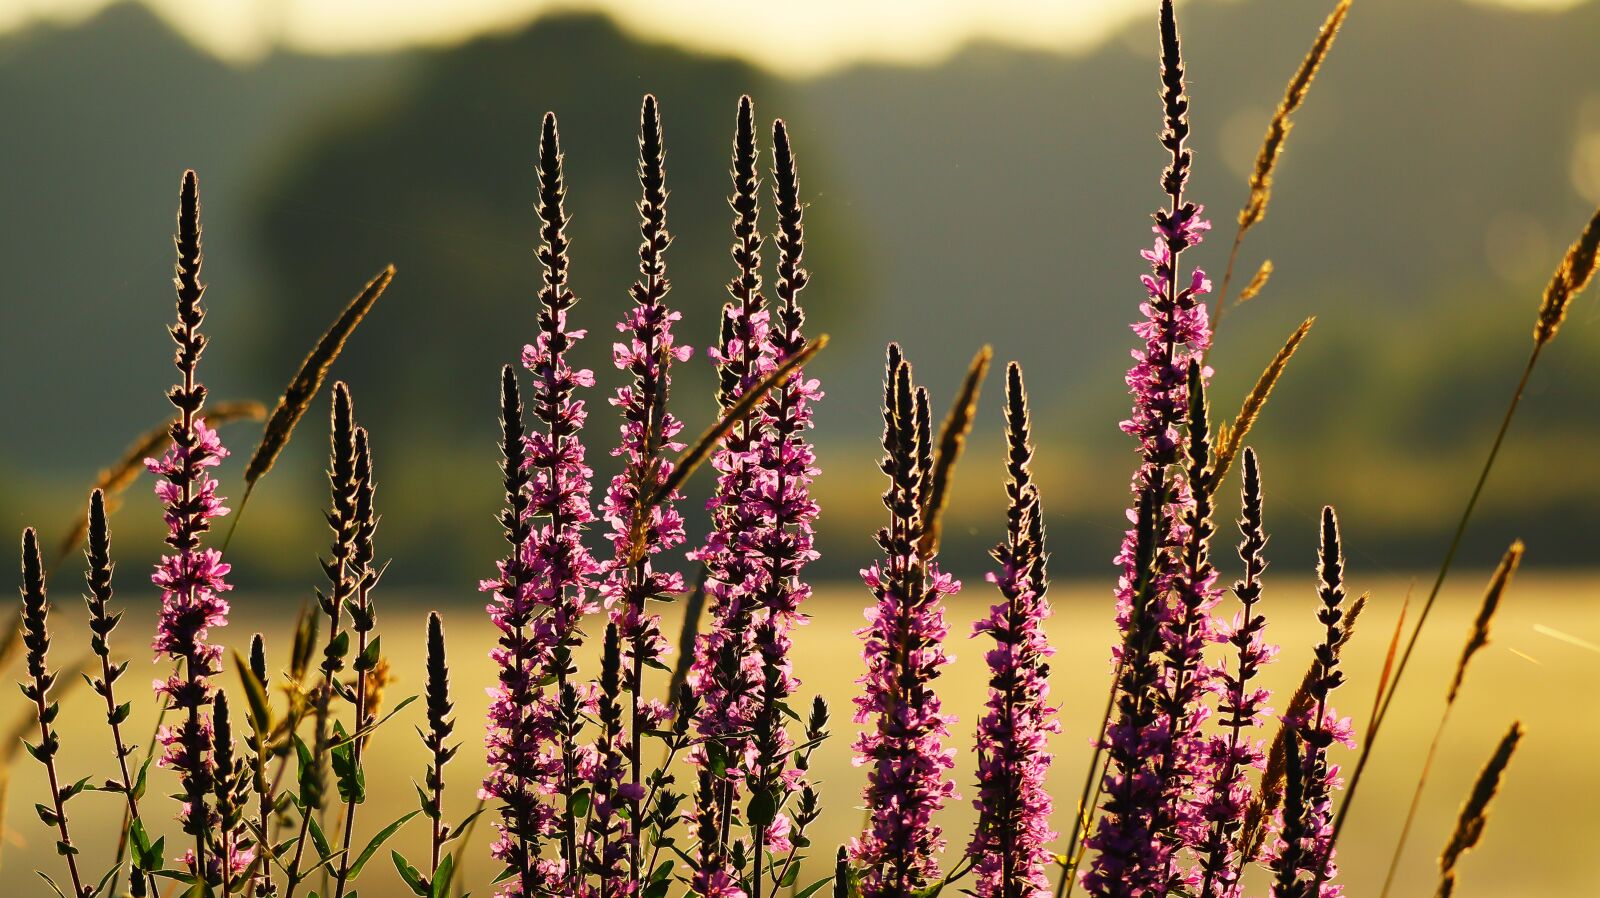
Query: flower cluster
{"points": [[191, 578], [903, 743], [726, 674], [1011, 845], [761, 539], [1303, 862], [641, 528], [1241, 708], [544, 584]]}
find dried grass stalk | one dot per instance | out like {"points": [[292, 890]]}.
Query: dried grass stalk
{"points": [[1480, 626], [1231, 439], [1476, 639], [1262, 275], [952, 440], [1570, 277], [1294, 96], [1475, 812], [697, 453], [114, 480], [303, 387]]}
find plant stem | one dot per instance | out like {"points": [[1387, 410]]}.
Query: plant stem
{"points": [[1433, 593]]}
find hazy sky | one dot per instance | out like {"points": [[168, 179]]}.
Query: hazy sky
{"points": [[792, 35]]}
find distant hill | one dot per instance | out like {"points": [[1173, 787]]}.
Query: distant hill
{"points": [[1000, 195]]}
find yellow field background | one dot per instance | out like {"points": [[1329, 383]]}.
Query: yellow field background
{"points": [[1539, 841]]}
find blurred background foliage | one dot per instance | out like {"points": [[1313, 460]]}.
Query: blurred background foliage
{"points": [[1447, 155]]}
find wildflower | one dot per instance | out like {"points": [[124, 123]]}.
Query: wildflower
{"points": [[542, 590], [902, 645], [1010, 846], [191, 579], [726, 672], [641, 529], [782, 542], [36, 640], [1139, 833], [1304, 864], [1242, 707]]}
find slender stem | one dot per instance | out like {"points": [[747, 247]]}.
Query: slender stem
{"points": [[41, 700], [122, 749], [356, 743], [1222, 294], [1416, 801], [1433, 593], [324, 693], [1092, 783]]}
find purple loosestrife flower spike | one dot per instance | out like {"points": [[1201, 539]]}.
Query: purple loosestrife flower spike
{"points": [[543, 588], [1185, 759], [639, 529], [1010, 846], [191, 578], [36, 689], [1304, 865], [783, 541], [726, 673], [1135, 841], [1242, 707], [903, 742]]}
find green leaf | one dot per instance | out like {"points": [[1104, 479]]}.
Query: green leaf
{"points": [[409, 873], [579, 806], [369, 656], [763, 807], [346, 771], [815, 887], [464, 826], [51, 883], [307, 773], [377, 842], [318, 840], [255, 693], [144, 771], [441, 879], [107, 879]]}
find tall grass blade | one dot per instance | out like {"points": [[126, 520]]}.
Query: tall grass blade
{"points": [[114, 480], [1294, 96], [1257, 283]]}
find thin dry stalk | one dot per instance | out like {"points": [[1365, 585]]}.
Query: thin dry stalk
{"points": [[114, 480], [952, 440], [1571, 276], [303, 387], [701, 449], [1294, 96], [1475, 812], [1230, 439], [1476, 640]]}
